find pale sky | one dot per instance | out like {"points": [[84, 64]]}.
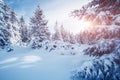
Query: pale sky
{"points": [[54, 10]]}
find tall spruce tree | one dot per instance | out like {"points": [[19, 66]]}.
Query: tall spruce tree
{"points": [[39, 27], [4, 30], [14, 27], [9, 27], [24, 32], [64, 34], [57, 34]]}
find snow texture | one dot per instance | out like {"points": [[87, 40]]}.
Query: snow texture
{"points": [[25, 63]]}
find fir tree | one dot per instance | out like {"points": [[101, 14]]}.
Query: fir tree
{"points": [[104, 39], [24, 32], [4, 31], [40, 30], [64, 34], [57, 34], [14, 28]]}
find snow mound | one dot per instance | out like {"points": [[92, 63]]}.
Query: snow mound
{"points": [[62, 48], [31, 59]]}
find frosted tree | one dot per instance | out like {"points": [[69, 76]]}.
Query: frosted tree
{"points": [[99, 12], [4, 31], [6, 11], [14, 27], [71, 38], [9, 26], [24, 32], [104, 13], [39, 30], [64, 34], [104, 38], [13, 17], [57, 34]]}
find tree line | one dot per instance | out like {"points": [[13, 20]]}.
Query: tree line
{"points": [[15, 31]]}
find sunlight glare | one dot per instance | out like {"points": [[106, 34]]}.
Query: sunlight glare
{"points": [[75, 26]]}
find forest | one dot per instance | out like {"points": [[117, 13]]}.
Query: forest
{"points": [[99, 41]]}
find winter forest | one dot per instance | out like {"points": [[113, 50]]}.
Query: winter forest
{"points": [[31, 50]]}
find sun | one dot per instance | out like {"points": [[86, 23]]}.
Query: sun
{"points": [[75, 26], [84, 25]]}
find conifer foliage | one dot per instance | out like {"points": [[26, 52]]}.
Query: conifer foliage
{"points": [[5, 33], [24, 32], [103, 36], [39, 29]]}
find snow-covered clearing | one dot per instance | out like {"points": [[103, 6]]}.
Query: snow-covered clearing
{"points": [[27, 64]]}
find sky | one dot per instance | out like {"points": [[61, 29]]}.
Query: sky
{"points": [[54, 10]]}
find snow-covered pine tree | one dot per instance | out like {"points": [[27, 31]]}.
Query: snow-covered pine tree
{"points": [[24, 32], [104, 16], [39, 27], [71, 38], [14, 27], [101, 14], [57, 34], [11, 21], [6, 11], [5, 33], [64, 34], [99, 11]]}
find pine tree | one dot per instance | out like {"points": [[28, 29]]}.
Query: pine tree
{"points": [[62, 31], [71, 38], [57, 34], [9, 28], [64, 34], [99, 12], [24, 32], [6, 11], [4, 31], [104, 38], [40, 30], [14, 27]]}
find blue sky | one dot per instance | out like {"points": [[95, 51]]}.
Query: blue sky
{"points": [[54, 10]]}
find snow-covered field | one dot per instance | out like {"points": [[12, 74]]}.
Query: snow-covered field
{"points": [[27, 64]]}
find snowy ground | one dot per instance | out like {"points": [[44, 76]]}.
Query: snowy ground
{"points": [[27, 64]]}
